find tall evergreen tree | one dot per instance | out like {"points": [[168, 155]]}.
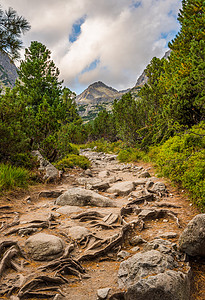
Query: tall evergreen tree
{"points": [[12, 27]]}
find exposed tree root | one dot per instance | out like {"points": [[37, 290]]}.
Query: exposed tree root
{"points": [[86, 216], [158, 214], [6, 261], [65, 266]]}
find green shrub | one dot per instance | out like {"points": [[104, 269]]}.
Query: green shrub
{"points": [[104, 146], [130, 155], [24, 160], [182, 159], [12, 177], [73, 160]]}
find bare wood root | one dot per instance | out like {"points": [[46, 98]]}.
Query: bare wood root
{"points": [[86, 216], [37, 287], [6, 260], [43, 224], [111, 243], [168, 205], [12, 224], [148, 198], [65, 266], [160, 213]]}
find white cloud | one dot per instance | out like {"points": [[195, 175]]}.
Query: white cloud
{"points": [[122, 37]]}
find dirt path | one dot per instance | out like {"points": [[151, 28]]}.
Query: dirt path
{"points": [[101, 272]]}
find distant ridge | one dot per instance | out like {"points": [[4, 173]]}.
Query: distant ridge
{"points": [[98, 92]]}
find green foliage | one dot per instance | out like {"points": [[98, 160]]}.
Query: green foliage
{"points": [[24, 160], [182, 159], [12, 177], [11, 28], [130, 155], [104, 126], [104, 146], [13, 138], [125, 115], [73, 160]]}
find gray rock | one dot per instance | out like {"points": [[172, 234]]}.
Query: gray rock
{"points": [[144, 174], [168, 235], [43, 246], [68, 210], [103, 174], [122, 188], [51, 173], [78, 232], [136, 240], [123, 254], [159, 188], [170, 285], [135, 249], [103, 293], [142, 265], [192, 239], [83, 197]]}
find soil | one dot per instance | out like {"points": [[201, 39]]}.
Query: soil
{"points": [[101, 272]]}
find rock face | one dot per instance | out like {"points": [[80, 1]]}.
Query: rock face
{"points": [[51, 173], [170, 285], [43, 246], [122, 188], [192, 240], [8, 71], [83, 197], [156, 273]]}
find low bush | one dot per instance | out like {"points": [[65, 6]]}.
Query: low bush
{"points": [[182, 159], [12, 177], [130, 155], [73, 160], [104, 146], [24, 160]]}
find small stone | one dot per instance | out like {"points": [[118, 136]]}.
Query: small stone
{"points": [[123, 254], [135, 249], [103, 293], [136, 240], [165, 220]]}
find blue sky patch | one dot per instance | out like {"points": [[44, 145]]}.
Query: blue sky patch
{"points": [[91, 66], [136, 4], [76, 29]]}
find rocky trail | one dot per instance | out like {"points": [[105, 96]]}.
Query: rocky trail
{"points": [[110, 232]]}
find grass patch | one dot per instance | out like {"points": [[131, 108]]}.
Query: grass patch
{"points": [[12, 177], [73, 160]]}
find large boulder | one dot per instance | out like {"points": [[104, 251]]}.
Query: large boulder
{"points": [[83, 197], [122, 188], [192, 239], [142, 265], [170, 285], [43, 246], [51, 173], [159, 272]]}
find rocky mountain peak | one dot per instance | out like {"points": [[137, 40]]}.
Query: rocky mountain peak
{"points": [[8, 71]]}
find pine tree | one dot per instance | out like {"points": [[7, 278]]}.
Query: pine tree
{"points": [[12, 27]]}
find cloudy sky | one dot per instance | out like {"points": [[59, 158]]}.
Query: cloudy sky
{"points": [[107, 40]]}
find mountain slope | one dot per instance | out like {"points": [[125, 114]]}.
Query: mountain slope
{"points": [[96, 93], [96, 97], [8, 71]]}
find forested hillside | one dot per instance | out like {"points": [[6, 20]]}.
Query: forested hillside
{"points": [[166, 120]]}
